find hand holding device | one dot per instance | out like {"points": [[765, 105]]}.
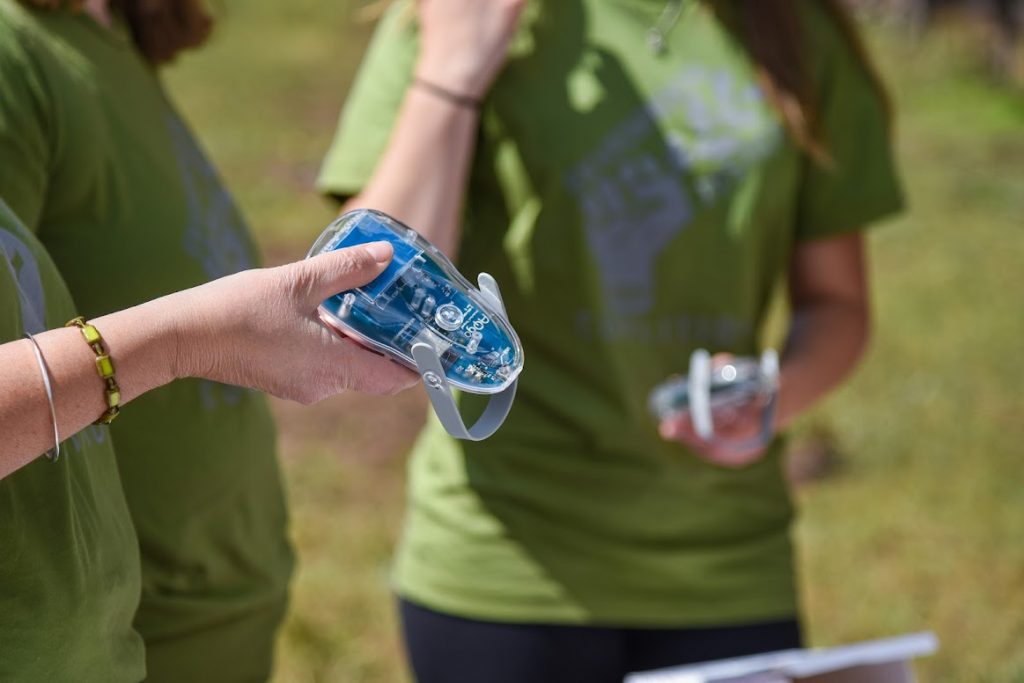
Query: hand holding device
{"points": [[725, 410], [259, 328], [423, 314]]}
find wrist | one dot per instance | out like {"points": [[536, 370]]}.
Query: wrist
{"points": [[452, 75], [451, 97], [208, 327], [790, 403], [142, 345], [187, 341]]}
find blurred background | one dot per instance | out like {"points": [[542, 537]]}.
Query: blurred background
{"points": [[910, 479]]}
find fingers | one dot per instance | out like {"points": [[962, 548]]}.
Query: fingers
{"points": [[724, 451], [679, 428], [368, 372], [373, 374], [721, 358], [732, 457], [325, 275]]}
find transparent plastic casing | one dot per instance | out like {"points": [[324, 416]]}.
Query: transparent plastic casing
{"points": [[732, 384], [421, 297]]}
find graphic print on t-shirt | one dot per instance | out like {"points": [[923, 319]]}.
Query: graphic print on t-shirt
{"points": [[214, 235], [646, 180], [25, 271]]}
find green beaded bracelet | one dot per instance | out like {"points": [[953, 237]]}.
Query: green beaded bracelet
{"points": [[104, 366]]}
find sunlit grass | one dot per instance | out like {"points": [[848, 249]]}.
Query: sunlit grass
{"points": [[922, 527], [925, 529]]}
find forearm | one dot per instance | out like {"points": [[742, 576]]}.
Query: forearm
{"points": [[140, 340], [828, 295], [421, 178], [826, 341], [257, 328]]}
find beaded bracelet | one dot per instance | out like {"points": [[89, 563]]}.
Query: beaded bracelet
{"points": [[104, 366]]}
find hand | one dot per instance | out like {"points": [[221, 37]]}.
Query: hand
{"points": [[737, 430], [260, 329], [463, 43]]}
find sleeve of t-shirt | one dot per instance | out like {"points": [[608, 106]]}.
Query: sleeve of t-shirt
{"points": [[10, 306], [860, 185], [372, 105], [25, 148]]}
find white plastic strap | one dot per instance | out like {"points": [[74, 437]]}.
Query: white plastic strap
{"points": [[440, 393], [699, 389], [699, 394], [770, 380]]}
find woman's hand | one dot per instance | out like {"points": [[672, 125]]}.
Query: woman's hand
{"points": [[737, 430], [736, 441], [828, 296], [260, 329], [463, 43]]}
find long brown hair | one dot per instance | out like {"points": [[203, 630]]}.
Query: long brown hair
{"points": [[160, 28], [772, 34]]}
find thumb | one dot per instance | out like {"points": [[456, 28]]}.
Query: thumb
{"points": [[327, 274]]}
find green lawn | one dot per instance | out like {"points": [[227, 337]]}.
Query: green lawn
{"points": [[922, 527]]}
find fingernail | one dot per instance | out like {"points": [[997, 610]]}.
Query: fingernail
{"points": [[380, 251]]}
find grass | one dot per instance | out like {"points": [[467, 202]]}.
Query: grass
{"points": [[922, 527], [926, 527]]}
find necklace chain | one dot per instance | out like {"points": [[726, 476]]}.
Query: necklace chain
{"points": [[657, 33]]}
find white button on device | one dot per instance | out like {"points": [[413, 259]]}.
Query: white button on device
{"points": [[448, 317]]}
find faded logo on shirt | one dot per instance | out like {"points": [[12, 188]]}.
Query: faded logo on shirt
{"points": [[214, 235], [647, 179], [24, 269]]}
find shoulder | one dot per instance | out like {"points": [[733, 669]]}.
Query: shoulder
{"points": [[43, 41], [838, 59], [27, 48], [831, 35], [823, 21], [21, 32], [17, 29]]}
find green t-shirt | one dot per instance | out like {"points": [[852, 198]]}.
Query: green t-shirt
{"points": [[633, 207], [99, 165], [69, 562]]}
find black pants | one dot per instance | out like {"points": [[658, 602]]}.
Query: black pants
{"points": [[447, 649]]}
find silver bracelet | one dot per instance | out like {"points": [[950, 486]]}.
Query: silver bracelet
{"points": [[54, 453]]}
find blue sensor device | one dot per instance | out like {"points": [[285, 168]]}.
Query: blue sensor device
{"points": [[707, 388], [424, 314]]}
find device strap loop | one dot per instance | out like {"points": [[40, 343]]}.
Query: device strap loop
{"points": [[440, 393], [699, 394]]}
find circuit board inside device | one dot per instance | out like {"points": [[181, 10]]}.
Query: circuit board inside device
{"points": [[420, 297]]}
